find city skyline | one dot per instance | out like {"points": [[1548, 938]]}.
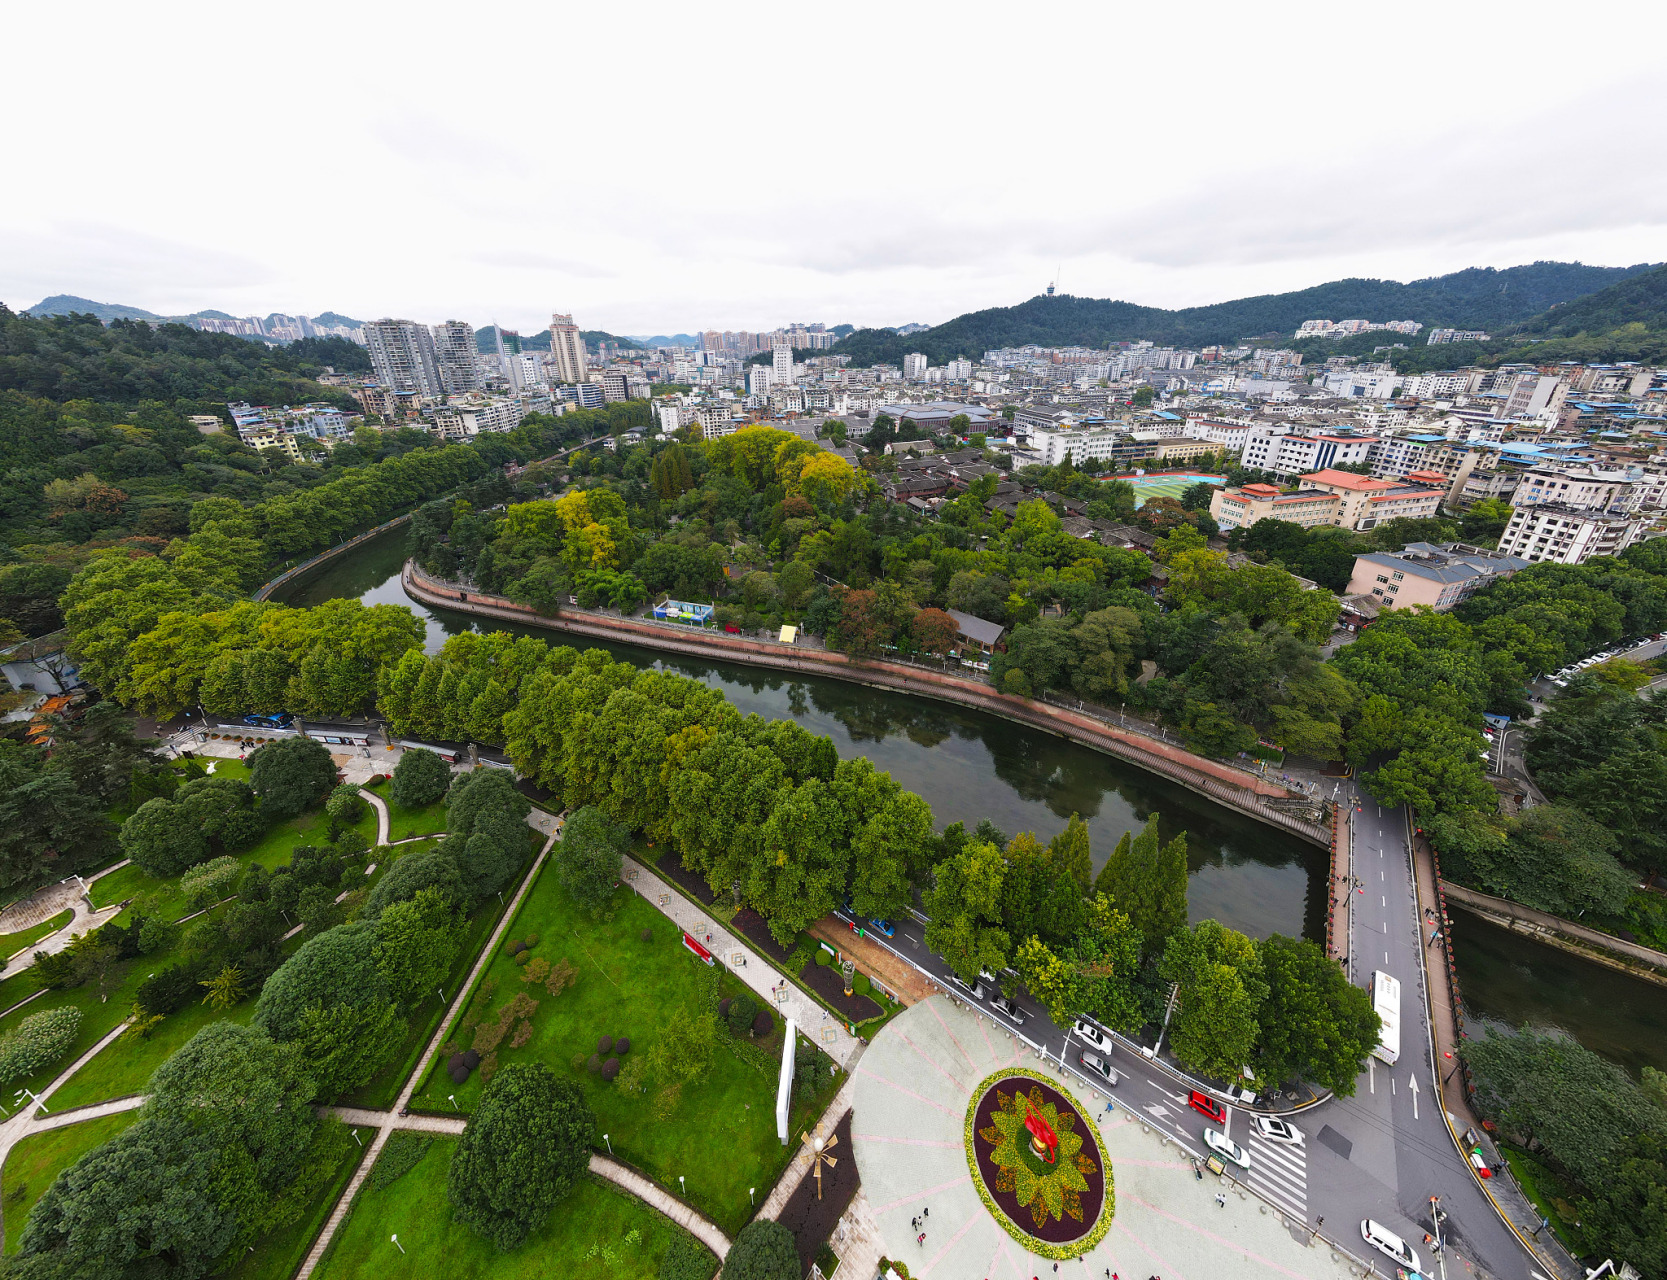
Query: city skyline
{"points": [[1109, 185]]}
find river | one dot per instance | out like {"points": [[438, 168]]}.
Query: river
{"points": [[968, 766]]}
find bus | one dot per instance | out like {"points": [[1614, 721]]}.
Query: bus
{"points": [[1386, 1003]]}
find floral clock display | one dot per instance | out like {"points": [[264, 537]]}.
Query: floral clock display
{"points": [[1038, 1164]]}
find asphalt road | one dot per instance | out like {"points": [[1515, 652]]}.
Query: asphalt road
{"points": [[1380, 1154]]}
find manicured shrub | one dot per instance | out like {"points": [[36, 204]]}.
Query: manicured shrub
{"points": [[532, 941], [741, 1010], [647, 935], [38, 1040], [822, 957], [860, 984], [400, 1155], [622, 1046], [763, 1024], [515, 948], [610, 1069], [605, 1045], [523, 957], [471, 1059], [594, 1063], [457, 1069], [723, 1008]]}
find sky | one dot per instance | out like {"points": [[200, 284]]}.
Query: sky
{"points": [[659, 168]]}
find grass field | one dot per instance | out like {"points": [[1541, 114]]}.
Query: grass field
{"points": [[36, 1161], [588, 1237], [126, 1066], [629, 986], [404, 823], [12, 943], [1148, 487]]}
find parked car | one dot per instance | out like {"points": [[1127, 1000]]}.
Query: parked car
{"points": [[1276, 1130], [1011, 1009], [1389, 1244], [1096, 1063], [1093, 1035], [1206, 1105], [1226, 1148], [883, 926]]}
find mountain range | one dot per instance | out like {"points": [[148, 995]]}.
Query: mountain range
{"points": [[1477, 298], [1583, 310]]}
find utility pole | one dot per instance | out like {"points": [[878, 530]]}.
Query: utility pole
{"points": [[1437, 1217], [1174, 990]]}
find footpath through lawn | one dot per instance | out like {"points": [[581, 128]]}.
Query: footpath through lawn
{"points": [[633, 973], [596, 1231]]}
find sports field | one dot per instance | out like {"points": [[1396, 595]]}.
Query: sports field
{"points": [[1167, 484]]}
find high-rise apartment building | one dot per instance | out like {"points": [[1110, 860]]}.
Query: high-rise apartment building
{"points": [[402, 354], [454, 352], [567, 349], [781, 364], [759, 380], [914, 365]]}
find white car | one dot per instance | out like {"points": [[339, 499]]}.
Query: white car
{"points": [[1389, 1244], [1226, 1148], [1096, 1063], [1092, 1034], [1011, 1009], [975, 988], [1276, 1130]]}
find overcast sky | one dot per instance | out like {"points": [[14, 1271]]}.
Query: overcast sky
{"points": [[661, 168]]}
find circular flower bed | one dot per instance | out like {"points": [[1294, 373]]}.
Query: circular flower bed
{"points": [[1056, 1208]]}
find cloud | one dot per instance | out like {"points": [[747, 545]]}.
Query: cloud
{"points": [[522, 260]]}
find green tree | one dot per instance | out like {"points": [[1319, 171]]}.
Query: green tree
{"points": [[420, 778], [291, 775], [763, 1250], [589, 855], [416, 942], [1222, 988], [346, 804], [1071, 853], [163, 838], [964, 904], [1627, 1206], [1147, 881], [1315, 1024], [38, 1041], [525, 1147]]}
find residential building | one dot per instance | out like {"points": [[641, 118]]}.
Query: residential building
{"points": [[614, 385], [1439, 336], [1423, 573], [781, 365], [1365, 503], [1586, 487], [264, 438], [454, 352], [1536, 395], [958, 370], [759, 379], [402, 354], [567, 349], [1242, 507], [1550, 531], [585, 395], [1288, 454], [914, 366], [977, 635]]}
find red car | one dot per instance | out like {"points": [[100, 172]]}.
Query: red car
{"points": [[1207, 1105]]}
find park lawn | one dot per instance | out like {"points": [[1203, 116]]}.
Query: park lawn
{"points": [[403, 823], [12, 943], [37, 1160], [382, 1089], [127, 1066], [585, 1238], [630, 987]]}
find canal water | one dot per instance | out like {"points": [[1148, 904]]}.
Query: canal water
{"points": [[968, 766]]}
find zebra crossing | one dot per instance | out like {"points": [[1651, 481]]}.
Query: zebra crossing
{"points": [[1281, 1174]]}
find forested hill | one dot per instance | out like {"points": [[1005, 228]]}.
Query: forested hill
{"points": [[1639, 299], [1480, 297]]}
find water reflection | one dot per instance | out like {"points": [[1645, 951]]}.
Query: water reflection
{"points": [[1508, 980]]}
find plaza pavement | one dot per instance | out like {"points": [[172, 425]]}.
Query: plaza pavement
{"points": [[912, 1090]]}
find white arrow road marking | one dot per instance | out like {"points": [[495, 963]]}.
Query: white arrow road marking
{"points": [[1414, 1097]]}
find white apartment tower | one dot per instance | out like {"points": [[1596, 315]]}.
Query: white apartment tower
{"points": [[914, 366], [567, 349], [402, 354], [781, 364], [454, 352], [759, 380]]}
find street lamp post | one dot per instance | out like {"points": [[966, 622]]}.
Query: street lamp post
{"points": [[610, 1144], [683, 1185], [397, 1244], [750, 1199], [1437, 1217]]}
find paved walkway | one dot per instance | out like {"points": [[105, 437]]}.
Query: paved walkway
{"points": [[381, 806], [913, 1088], [799, 1167], [737, 954]]}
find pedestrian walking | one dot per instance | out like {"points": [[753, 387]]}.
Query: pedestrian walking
{"points": [[921, 1239], [926, 1212], [1321, 1222], [1221, 1201]]}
